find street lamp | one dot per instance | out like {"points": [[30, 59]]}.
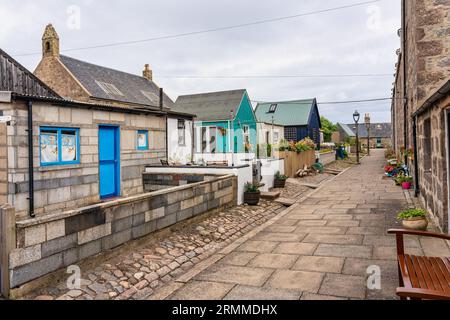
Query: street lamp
{"points": [[356, 117], [367, 121]]}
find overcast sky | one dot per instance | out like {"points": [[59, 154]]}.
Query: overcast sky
{"points": [[358, 40]]}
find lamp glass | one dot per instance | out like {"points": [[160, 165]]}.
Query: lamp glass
{"points": [[356, 116]]}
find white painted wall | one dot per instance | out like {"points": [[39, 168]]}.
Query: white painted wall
{"points": [[237, 158], [244, 174], [179, 154], [268, 170]]}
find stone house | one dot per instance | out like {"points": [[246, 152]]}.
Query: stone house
{"points": [[421, 101]]}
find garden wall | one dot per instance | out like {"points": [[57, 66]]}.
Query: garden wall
{"points": [[49, 243]]}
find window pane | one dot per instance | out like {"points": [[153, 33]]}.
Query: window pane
{"points": [[204, 142], [213, 139], [49, 146], [68, 146], [142, 140]]}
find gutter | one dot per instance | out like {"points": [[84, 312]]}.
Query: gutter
{"points": [[438, 95], [30, 160]]}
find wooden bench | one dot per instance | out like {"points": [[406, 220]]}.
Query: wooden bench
{"points": [[217, 163], [422, 277]]}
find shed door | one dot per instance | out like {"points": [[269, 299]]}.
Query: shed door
{"points": [[109, 151]]}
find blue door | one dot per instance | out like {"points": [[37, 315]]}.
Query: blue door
{"points": [[109, 151]]}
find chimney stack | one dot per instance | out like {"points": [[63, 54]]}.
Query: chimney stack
{"points": [[147, 73]]}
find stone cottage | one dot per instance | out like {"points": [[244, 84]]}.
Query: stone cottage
{"points": [[421, 103]]}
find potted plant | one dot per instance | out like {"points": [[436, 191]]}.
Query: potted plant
{"points": [[406, 183], [280, 180], [415, 219], [399, 180], [252, 195]]}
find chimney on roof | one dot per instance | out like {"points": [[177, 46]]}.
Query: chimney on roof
{"points": [[147, 73], [50, 42]]}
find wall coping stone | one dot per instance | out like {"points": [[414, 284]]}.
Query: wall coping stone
{"points": [[116, 202]]}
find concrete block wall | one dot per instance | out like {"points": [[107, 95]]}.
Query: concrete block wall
{"points": [[3, 165], [49, 243], [59, 188]]}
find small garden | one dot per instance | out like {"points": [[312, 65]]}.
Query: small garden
{"points": [[397, 169]]}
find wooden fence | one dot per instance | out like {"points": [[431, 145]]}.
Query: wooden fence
{"points": [[294, 161]]}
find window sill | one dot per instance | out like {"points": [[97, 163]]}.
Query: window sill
{"points": [[59, 167]]}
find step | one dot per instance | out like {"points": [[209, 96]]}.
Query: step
{"points": [[271, 195], [310, 185], [287, 202]]}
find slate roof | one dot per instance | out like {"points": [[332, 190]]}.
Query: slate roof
{"points": [[213, 106], [16, 78], [288, 113], [347, 129], [377, 130], [135, 89]]}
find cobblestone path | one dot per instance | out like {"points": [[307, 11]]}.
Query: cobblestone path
{"points": [[138, 271]]}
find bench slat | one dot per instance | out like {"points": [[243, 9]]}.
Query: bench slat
{"points": [[426, 273], [412, 272], [436, 283]]}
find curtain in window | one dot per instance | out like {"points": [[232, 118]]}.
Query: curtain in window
{"points": [[49, 147]]}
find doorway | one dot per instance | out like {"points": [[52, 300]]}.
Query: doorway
{"points": [[109, 161]]}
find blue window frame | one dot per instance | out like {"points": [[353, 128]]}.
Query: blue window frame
{"points": [[59, 146], [142, 140]]}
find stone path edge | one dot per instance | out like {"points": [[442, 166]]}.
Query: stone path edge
{"points": [[169, 289]]}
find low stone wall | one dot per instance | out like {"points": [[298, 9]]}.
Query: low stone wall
{"points": [[160, 181], [56, 241]]}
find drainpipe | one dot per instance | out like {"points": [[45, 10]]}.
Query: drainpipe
{"points": [[405, 95], [30, 160], [416, 159], [161, 107]]}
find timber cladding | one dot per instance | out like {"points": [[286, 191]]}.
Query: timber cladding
{"points": [[52, 242]]}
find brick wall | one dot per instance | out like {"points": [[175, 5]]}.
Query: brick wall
{"points": [[59, 188], [49, 243]]}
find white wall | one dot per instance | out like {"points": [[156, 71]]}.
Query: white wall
{"points": [[268, 170], [176, 153], [244, 174], [237, 158]]}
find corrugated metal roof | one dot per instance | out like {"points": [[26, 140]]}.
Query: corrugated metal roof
{"points": [[134, 89], [213, 106], [16, 78], [287, 113]]}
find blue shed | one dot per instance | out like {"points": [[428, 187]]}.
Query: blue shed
{"points": [[300, 118]]}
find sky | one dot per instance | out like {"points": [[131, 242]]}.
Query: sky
{"points": [[357, 40]]}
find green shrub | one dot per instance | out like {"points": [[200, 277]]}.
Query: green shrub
{"points": [[412, 213], [251, 187], [280, 176]]}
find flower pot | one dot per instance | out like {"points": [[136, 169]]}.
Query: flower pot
{"points": [[419, 223], [279, 183], [406, 185], [252, 198]]}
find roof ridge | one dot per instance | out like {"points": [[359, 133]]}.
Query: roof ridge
{"points": [[288, 101], [212, 93]]}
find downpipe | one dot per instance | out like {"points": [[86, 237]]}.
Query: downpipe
{"points": [[30, 161]]}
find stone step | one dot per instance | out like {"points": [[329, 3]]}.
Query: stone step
{"points": [[271, 195], [286, 202], [310, 185]]}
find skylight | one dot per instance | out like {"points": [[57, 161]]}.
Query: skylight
{"points": [[150, 96], [109, 88], [273, 108]]}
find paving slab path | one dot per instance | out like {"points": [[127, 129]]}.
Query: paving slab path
{"points": [[324, 247]]}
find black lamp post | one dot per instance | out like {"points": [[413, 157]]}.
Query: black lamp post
{"points": [[367, 121], [356, 117]]}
